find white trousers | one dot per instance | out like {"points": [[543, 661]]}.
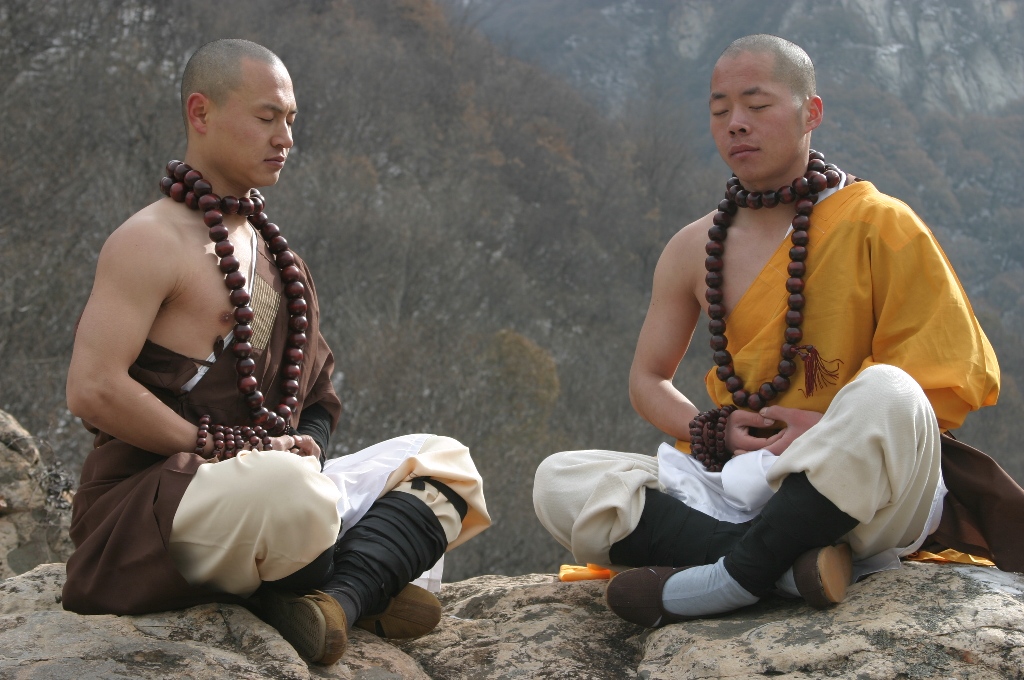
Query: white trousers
{"points": [[264, 515], [875, 454]]}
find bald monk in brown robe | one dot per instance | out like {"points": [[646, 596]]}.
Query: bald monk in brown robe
{"points": [[166, 516]]}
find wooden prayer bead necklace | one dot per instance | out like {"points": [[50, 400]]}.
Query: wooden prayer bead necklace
{"points": [[228, 441], [707, 430], [185, 185]]}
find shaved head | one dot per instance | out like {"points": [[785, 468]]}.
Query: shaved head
{"points": [[792, 65], [215, 69]]}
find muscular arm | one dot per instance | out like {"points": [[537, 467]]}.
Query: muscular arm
{"points": [[137, 271], [666, 333]]}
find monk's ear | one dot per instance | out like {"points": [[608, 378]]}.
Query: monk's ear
{"points": [[197, 108], [813, 113]]}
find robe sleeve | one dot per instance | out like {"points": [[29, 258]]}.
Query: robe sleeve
{"points": [[320, 389], [924, 322]]}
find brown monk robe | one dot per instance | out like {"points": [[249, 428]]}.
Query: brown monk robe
{"points": [[123, 510], [983, 512]]}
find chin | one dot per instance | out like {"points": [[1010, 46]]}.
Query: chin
{"points": [[273, 177]]}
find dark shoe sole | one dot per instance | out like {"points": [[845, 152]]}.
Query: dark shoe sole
{"points": [[822, 575]]}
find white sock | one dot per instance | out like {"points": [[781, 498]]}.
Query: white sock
{"points": [[786, 585], [703, 591]]}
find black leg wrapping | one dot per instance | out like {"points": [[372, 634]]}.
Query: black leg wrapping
{"points": [[310, 577], [672, 534], [795, 520], [396, 540]]}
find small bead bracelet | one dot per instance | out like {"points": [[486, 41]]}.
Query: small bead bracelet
{"points": [[228, 441], [707, 438]]}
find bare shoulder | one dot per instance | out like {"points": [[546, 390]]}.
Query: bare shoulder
{"points": [[156, 227], [683, 257], [147, 256], [152, 240], [691, 238]]}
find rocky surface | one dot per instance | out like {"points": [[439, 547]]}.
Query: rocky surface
{"points": [[922, 621], [38, 639], [34, 502]]}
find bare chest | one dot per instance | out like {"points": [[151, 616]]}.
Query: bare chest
{"points": [[199, 311], [747, 252]]}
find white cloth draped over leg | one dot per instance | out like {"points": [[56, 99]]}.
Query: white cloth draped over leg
{"points": [[366, 475], [875, 454]]}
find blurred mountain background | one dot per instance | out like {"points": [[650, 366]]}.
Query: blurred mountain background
{"points": [[482, 188]]}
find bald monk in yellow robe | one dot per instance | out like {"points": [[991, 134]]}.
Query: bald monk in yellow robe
{"points": [[839, 464]]}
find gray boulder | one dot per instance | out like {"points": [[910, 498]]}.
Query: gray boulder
{"points": [[922, 621], [35, 502]]}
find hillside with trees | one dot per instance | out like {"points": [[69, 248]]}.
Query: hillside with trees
{"points": [[922, 97], [482, 233]]}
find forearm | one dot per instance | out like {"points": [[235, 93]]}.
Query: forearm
{"points": [[315, 422], [123, 408], [662, 405]]}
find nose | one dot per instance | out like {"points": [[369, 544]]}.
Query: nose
{"points": [[283, 138], [737, 125]]}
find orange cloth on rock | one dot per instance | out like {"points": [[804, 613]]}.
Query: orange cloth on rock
{"points": [[591, 572]]}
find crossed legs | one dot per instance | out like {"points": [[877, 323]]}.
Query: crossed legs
{"points": [[272, 521], [867, 473]]}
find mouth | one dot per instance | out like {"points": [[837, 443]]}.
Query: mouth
{"points": [[741, 150], [275, 161]]}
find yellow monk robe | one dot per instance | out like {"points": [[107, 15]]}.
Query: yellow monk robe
{"points": [[879, 290]]}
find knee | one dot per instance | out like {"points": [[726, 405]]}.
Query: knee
{"points": [[439, 443], [892, 389], [547, 484], [275, 474]]}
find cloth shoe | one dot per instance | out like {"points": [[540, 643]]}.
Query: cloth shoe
{"points": [[412, 613], [313, 623], [823, 575], [640, 596], [635, 595]]}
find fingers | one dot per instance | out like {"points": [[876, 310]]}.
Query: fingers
{"points": [[742, 441], [748, 443], [792, 416], [285, 442], [778, 412], [781, 441], [748, 419], [306, 446]]}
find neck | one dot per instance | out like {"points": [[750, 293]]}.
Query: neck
{"points": [[796, 168], [222, 185], [766, 216]]}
